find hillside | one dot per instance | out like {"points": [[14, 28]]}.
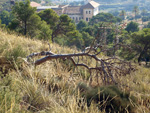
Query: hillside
{"points": [[52, 86], [5, 5]]}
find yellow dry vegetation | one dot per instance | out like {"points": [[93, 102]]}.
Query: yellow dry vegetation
{"points": [[51, 87]]}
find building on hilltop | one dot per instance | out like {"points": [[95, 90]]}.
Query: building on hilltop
{"points": [[85, 12], [90, 10]]}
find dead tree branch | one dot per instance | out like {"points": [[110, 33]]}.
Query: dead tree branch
{"points": [[108, 70]]}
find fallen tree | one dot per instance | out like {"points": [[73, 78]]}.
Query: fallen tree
{"points": [[107, 69]]}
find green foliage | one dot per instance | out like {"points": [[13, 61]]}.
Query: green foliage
{"points": [[132, 27], [104, 17], [23, 12], [122, 14], [108, 98], [60, 25], [50, 17], [38, 29], [64, 27], [81, 25], [144, 12], [6, 17], [136, 11], [139, 46], [50, 87], [14, 25], [73, 38], [148, 25], [15, 53], [90, 30], [144, 19], [142, 39], [5, 5], [38, 1], [87, 39], [116, 100], [1, 25], [9, 95], [115, 13], [44, 33], [27, 22], [126, 52]]}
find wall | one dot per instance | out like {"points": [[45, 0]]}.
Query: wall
{"points": [[96, 11], [87, 14], [76, 18]]}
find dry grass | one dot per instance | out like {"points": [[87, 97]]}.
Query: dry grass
{"points": [[51, 87]]}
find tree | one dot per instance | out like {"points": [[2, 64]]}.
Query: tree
{"points": [[63, 27], [114, 13], [1, 25], [137, 46], [143, 14], [104, 17], [14, 25], [87, 39], [23, 12], [50, 17], [90, 30], [136, 11], [106, 70], [38, 29], [6, 17], [74, 38], [122, 14], [28, 22], [38, 1], [148, 25], [132, 27], [142, 40], [60, 25], [81, 25]]}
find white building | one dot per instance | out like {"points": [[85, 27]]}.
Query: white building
{"points": [[85, 12]]}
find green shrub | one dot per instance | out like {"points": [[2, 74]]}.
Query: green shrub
{"points": [[14, 53], [108, 98], [9, 95]]}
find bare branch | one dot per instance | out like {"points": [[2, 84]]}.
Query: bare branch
{"points": [[107, 69]]}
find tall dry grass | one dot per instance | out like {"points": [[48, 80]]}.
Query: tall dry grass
{"points": [[51, 87]]}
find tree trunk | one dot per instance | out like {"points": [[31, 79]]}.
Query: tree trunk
{"points": [[135, 17], [25, 28], [142, 53], [52, 37]]}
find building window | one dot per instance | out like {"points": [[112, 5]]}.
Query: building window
{"points": [[89, 12], [87, 19], [86, 12], [73, 18], [79, 18], [76, 18]]}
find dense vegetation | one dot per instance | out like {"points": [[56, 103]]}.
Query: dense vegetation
{"points": [[58, 85], [51, 87]]}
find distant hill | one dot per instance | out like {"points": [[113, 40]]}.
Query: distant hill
{"points": [[5, 5]]}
